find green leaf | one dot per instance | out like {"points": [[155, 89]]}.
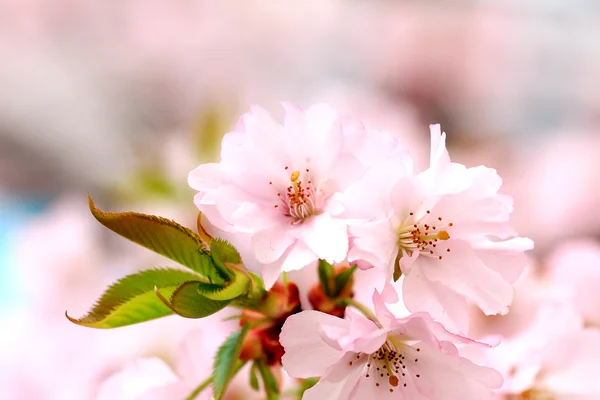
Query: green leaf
{"points": [[224, 254], [341, 279], [132, 299], [224, 366], [238, 286], [163, 236], [325, 274], [187, 302], [253, 378], [270, 383]]}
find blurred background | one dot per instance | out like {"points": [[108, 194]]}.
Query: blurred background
{"points": [[122, 99]]}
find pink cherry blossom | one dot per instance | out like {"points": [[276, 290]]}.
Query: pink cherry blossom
{"points": [[574, 268], [445, 229], [386, 358], [277, 185], [555, 357]]}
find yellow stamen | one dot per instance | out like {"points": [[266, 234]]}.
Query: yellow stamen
{"points": [[443, 235]]}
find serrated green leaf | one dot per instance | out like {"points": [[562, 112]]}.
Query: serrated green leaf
{"points": [[226, 359], [132, 299], [163, 236], [238, 286], [341, 279], [224, 254], [325, 274], [187, 302], [253, 378], [270, 383]]}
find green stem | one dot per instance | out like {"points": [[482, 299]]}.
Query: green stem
{"points": [[200, 388], [362, 308], [209, 380]]}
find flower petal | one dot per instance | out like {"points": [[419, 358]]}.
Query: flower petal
{"points": [[467, 275], [306, 354], [325, 236], [444, 304], [270, 244], [340, 380]]}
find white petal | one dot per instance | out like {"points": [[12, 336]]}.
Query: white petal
{"points": [[306, 354]]}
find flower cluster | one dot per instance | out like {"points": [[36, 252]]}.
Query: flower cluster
{"points": [[324, 189]]}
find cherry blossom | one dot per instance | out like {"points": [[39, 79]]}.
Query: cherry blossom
{"points": [[388, 357], [277, 185], [554, 357], [445, 229]]}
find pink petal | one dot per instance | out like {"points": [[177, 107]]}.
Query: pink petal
{"points": [[270, 244], [306, 354], [445, 377], [444, 304], [467, 275], [340, 380], [374, 242], [206, 177], [439, 157], [299, 256], [507, 257], [270, 272], [325, 236]]}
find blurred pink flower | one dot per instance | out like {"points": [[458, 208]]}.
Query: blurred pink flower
{"points": [[446, 229], [153, 379], [278, 184], [555, 356], [138, 378], [574, 269], [357, 358]]}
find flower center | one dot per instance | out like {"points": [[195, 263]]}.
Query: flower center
{"points": [[298, 201], [390, 366], [423, 236], [532, 394]]}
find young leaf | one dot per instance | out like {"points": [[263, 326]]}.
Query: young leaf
{"points": [[341, 279], [226, 360], [223, 253], [325, 273], [270, 383], [187, 302], [253, 378], [131, 299], [163, 236], [238, 286]]}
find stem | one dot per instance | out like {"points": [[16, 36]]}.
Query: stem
{"points": [[362, 308], [209, 380], [200, 388]]}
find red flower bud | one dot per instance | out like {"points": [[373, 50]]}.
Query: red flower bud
{"points": [[321, 302], [281, 301]]}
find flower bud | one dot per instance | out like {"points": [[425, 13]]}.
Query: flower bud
{"points": [[331, 304], [281, 301], [252, 347], [320, 302]]}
